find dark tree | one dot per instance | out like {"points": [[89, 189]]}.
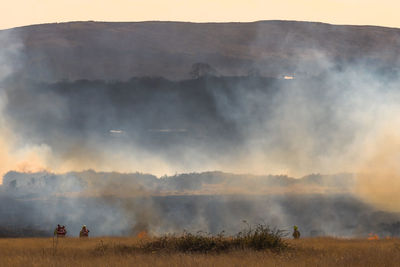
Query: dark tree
{"points": [[202, 69]]}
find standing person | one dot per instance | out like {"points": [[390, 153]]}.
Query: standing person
{"points": [[84, 232], [60, 231], [58, 228], [296, 232]]}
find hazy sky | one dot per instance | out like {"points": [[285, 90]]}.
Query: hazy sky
{"points": [[372, 12]]}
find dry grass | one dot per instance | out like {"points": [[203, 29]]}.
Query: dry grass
{"points": [[97, 252]]}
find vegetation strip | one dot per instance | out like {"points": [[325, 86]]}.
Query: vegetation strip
{"points": [[260, 237]]}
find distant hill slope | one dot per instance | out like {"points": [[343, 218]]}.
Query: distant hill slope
{"points": [[102, 50]]}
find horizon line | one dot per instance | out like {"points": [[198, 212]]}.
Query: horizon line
{"points": [[199, 22]]}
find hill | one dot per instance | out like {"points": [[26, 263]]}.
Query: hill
{"points": [[118, 51]]}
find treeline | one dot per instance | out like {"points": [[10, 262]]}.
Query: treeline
{"points": [[44, 183], [151, 111]]}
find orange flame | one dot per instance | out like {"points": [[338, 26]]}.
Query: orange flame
{"points": [[142, 235], [372, 236]]}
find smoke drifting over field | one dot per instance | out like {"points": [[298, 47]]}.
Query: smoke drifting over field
{"points": [[125, 204], [334, 116]]}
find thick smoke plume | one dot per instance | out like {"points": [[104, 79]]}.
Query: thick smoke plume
{"points": [[15, 154], [126, 204], [323, 114]]}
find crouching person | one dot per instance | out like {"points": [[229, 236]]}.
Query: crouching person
{"points": [[84, 232]]}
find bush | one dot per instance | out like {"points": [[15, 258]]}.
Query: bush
{"points": [[260, 238], [188, 243]]}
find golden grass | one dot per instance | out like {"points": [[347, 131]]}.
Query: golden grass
{"points": [[94, 252]]}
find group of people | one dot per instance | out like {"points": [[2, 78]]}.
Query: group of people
{"points": [[61, 231]]}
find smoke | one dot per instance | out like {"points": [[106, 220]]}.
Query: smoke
{"points": [[324, 124], [319, 121], [126, 204], [378, 177], [332, 116], [24, 157]]}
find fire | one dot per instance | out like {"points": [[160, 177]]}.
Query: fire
{"points": [[142, 235], [372, 236], [30, 167]]}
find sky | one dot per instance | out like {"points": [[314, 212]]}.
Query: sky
{"points": [[358, 12]]}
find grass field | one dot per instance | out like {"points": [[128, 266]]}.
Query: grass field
{"points": [[106, 252]]}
